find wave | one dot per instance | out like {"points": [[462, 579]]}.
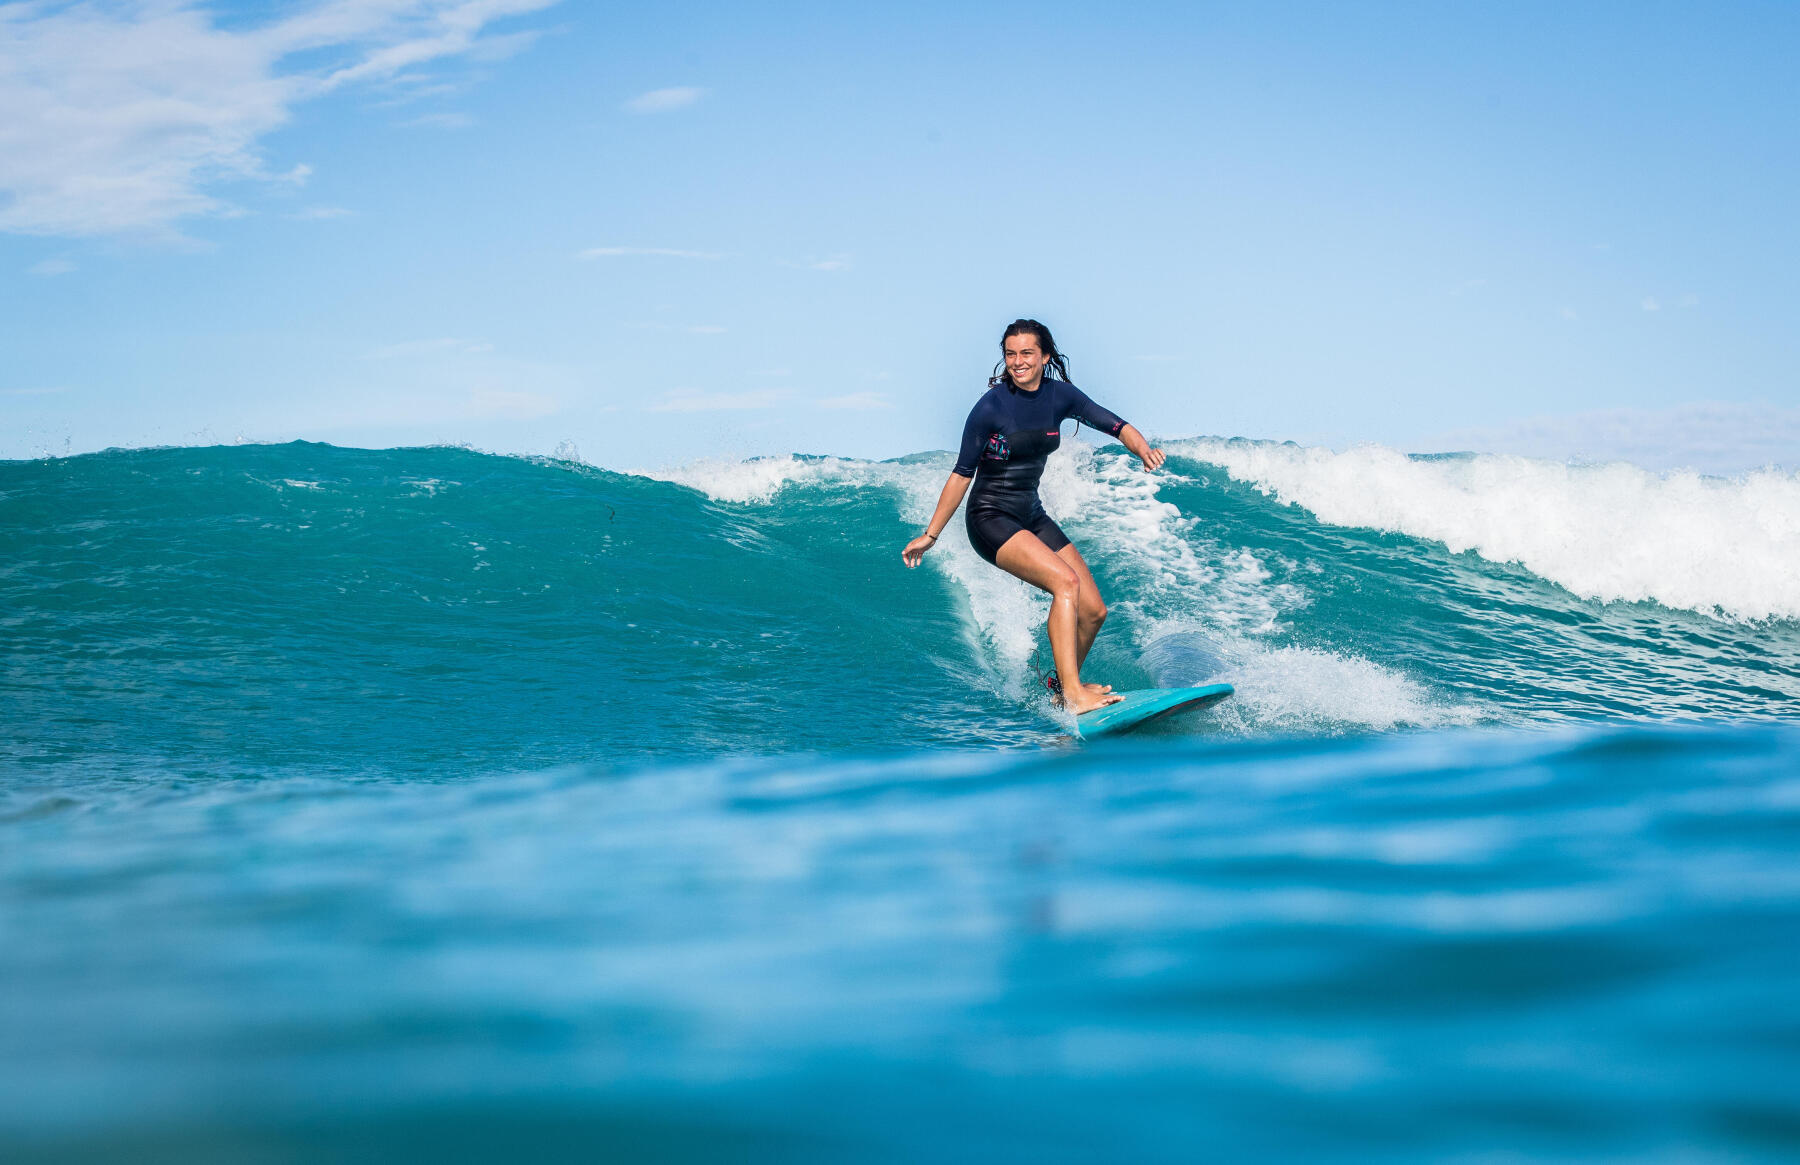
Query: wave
{"points": [[1728, 547], [443, 607]]}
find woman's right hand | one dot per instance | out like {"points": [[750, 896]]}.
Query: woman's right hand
{"points": [[915, 550]]}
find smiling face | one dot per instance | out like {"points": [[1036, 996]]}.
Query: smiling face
{"points": [[1024, 360]]}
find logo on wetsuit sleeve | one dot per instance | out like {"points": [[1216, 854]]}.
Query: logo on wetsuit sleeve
{"points": [[997, 448]]}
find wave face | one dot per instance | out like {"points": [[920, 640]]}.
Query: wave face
{"points": [[400, 802], [320, 606]]}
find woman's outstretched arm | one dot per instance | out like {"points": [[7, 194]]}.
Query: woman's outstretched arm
{"points": [[952, 497], [1080, 406], [1134, 441]]}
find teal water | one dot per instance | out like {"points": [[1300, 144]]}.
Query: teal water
{"points": [[377, 804]]}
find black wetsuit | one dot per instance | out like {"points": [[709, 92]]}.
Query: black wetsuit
{"points": [[1005, 442]]}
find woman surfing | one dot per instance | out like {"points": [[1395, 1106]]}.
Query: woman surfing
{"points": [[1010, 432]]}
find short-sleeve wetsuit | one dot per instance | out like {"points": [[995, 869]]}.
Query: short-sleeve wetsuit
{"points": [[1008, 435]]}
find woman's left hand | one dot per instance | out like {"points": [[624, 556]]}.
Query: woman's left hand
{"points": [[1153, 459]]}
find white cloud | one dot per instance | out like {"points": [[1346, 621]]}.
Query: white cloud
{"points": [[856, 400], [56, 266], [665, 100], [1709, 437], [498, 48], [666, 252], [688, 400], [1650, 304], [407, 88], [117, 116]]}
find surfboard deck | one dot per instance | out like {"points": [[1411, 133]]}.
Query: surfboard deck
{"points": [[1140, 707]]}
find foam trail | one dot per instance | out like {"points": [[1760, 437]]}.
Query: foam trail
{"points": [[1294, 688], [1004, 614], [1303, 689], [1718, 546], [1111, 506]]}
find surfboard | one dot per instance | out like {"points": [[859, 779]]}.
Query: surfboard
{"points": [[1140, 707]]}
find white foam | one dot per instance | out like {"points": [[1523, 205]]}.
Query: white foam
{"points": [[1719, 546], [1111, 507], [1287, 688], [1003, 614], [759, 479], [1302, 689]]}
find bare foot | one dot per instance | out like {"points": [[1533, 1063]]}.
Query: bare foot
{"points": [[1056, 692], [1086, 702]]}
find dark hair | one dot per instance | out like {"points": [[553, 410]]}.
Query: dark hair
{"points": [[1053, 360]]}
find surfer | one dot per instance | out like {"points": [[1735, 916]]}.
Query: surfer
{"points": [[1012, 429]]}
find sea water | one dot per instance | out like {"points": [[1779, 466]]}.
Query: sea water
{"points": [[431, 804]]}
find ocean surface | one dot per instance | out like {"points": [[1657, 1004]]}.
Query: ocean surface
{"points": [[430, 804]]}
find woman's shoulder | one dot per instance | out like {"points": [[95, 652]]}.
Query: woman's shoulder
{"points": [[990, 393]]}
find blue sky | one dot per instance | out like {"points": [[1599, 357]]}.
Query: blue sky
{"points": [[684, 230]]}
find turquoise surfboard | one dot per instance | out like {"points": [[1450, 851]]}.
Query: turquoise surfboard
{"points": [[1141, 707]]}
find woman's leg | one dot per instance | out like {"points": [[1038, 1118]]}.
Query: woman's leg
{"points": [[1090, 610], [1026, 556]]}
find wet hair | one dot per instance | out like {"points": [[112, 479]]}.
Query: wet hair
{"points": [[1054, 361]]}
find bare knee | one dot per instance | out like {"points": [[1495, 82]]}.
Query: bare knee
{"points": [[1093, 610], [1067, 585]]}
